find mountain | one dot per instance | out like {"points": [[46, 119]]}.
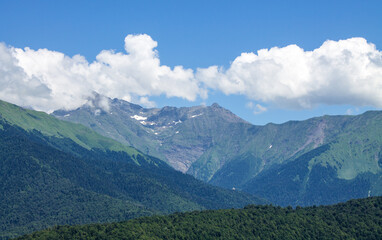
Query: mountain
{"points": [[180, 136], [356, 219], [347, 166], [48, 126], [54, 172], [321, 160]]}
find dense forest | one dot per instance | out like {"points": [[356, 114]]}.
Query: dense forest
{"points": [[355, 219]]}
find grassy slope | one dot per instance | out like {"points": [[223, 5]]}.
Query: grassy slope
{"points": [[307, 181], [357, 148], [355, 141], [50, 126]]}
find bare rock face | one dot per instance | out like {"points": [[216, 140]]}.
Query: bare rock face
{"points": [[181, 157], [178, 136]]}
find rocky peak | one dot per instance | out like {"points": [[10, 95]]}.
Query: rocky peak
{"points": [[226, 114]]}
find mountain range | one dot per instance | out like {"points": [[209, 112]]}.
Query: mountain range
{"points": [[111, 160], [321, 160], [54, 172]]}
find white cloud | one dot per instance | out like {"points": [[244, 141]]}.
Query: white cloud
{"points": [[339, 72], [16, 86], [98, 102], [68, 82], [144, 101], [259, 109], [139, 73]]}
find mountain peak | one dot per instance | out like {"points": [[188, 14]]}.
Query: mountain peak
{"points": [[215, 105]]}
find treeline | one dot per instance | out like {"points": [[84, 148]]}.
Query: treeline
{"points": [[356, 219]]}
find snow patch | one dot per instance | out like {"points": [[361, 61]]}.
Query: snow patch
{"points": [[67, 115], [194, 116], [147, 123], [139, 118]]}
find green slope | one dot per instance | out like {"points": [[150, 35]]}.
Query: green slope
{"points": [[348, 167], [358, 148], [51, 179], [356, 219], [50, 126]]}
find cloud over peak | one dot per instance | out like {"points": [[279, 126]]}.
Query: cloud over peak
{"points": [[67, 82], [338, 72]]}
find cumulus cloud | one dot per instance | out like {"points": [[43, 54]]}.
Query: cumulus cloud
{"points": [[48, 80], [98, 102], [16, 86], [339, 72]]}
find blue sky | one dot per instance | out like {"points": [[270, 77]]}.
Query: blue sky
{"points": [[200, 34]]}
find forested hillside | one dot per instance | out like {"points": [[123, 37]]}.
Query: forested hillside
{"points": [[48, 180], [356, 219]]}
